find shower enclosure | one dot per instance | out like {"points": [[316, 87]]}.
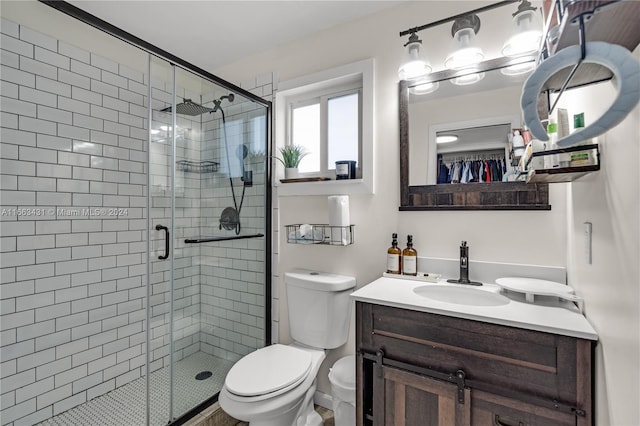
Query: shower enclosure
{"points": [[135, 225]]}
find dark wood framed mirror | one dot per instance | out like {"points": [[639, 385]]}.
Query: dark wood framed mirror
{"points": [[420, 191]]}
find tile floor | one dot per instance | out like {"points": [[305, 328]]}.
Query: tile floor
{"points": [[325, 413], [215, 416], [124, 406]]}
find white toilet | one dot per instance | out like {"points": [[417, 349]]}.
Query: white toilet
{"points": [[274, 386]]}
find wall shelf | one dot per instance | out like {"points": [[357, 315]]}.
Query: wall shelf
{"points": [[611, 21], [560, 174], [197, 166], [563, 174], [320, 234]]}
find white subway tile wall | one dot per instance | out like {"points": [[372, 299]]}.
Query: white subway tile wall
{"points": [[73, 228], [73, 261]]}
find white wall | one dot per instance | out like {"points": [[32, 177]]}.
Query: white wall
{"points": [[531, 237], [610, 200]]}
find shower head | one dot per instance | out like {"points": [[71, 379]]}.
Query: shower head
{"points": [[188, 107], [217, 102]]}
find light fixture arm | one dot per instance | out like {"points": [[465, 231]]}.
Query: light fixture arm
{"points": [[413, 39], [454, 17], [524, 6]]}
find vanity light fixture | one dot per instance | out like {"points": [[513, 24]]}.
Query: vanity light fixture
{"points": [[467, 60], [526, 34], [414, 65], [464, 30], [446, 138]]}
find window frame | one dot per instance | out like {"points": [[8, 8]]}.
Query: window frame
{"points": [[322, 81], [322, 98]]}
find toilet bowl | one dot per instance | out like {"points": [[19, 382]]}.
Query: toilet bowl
{"points": [[251, 394], [275, 385]]}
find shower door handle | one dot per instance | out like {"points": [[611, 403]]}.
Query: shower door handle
{"points": [[166, 241]]}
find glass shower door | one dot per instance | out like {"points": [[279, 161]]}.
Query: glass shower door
{"points": [[219, 251], [161, 233], [207, 203]]}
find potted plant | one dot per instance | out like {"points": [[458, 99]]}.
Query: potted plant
{"points": [[291, 157]]}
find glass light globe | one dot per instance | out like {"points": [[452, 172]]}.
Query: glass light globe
{"points": [[424, 88], [526, 36], [468, 79], [466, 54]]}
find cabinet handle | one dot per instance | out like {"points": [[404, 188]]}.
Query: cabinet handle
{"points": [[497, 421], [166, 241]]}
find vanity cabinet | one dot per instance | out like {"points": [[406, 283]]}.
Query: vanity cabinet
{"points": [[418, 368]]}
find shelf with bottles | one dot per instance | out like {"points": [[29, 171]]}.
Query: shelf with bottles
{"points": [[320, 234], [574, 162]]}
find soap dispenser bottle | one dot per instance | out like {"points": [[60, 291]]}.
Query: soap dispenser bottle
{"points": [[409, 258], [394, 257]]}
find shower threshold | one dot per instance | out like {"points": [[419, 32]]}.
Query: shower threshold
{"points": [[125, 406]]}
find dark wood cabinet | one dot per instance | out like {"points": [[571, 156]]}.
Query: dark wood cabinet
{"points": [[417, 368]]}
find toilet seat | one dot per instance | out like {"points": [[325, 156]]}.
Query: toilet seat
{"points": [[268, 372]]}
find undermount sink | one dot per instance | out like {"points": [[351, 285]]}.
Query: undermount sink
{"points": [[461, 295]]}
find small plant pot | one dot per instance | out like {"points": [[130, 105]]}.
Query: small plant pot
{"points": [[291, 172]]}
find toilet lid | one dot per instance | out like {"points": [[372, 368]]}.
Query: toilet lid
{"points": [[268, 370]]}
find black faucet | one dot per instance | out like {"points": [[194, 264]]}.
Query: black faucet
{"points": [[464, 267]]}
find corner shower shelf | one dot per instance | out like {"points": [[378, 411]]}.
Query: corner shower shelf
{"points": [[199, 240], [321, 234], [197, 166]]}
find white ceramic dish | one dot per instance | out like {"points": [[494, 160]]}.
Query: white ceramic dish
{"points": [[532, 287]]}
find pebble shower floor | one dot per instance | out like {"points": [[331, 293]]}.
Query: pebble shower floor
{"points": [[125, 406]]}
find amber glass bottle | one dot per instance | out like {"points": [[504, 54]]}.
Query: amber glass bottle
{"points": [[394, 257], [409, 258]]}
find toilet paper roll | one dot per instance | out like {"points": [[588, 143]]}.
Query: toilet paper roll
{"points": [[620, 61], [338, 218]]}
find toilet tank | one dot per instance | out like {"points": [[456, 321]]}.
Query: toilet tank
{"points": [[319, 307]]}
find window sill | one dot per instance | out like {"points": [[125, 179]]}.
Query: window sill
{"points": [[327, 187]]}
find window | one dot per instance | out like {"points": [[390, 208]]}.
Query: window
{"points": [[330, 113], [328, 126]]}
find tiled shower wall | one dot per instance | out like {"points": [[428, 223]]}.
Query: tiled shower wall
{"points": [[73, 283], [233, 272]]}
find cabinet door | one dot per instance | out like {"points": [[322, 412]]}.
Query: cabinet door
{"points": [[489, 409], [408, 399]]}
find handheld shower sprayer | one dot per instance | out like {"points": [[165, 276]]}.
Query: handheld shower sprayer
{"points": [[217, 102], [230, 219]]}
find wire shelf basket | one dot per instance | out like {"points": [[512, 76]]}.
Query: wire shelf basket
{"points": [[320, 234], [197, 166]]}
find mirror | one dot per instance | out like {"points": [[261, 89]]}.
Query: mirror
{"points": [[482, 116], [482, 109]]}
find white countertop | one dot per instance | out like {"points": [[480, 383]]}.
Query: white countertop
{"points": [[549, 315]]}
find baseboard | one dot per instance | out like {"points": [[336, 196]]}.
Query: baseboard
{"points": [[323, 400]]}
